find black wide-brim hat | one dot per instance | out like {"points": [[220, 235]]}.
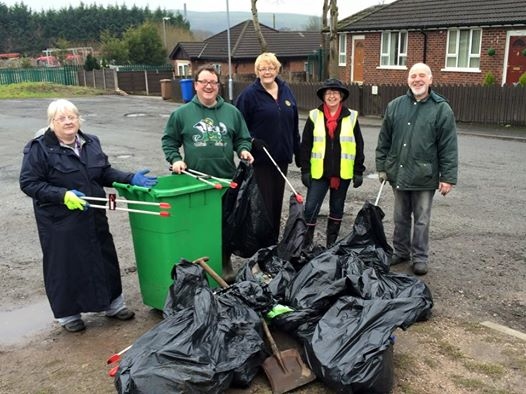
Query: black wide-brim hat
{"points": [[333, 84]]}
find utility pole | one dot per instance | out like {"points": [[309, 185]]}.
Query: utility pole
{"points": [[230, 87], [165, 18]]}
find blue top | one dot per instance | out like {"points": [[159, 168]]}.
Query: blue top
{"points": [[273, 121]]}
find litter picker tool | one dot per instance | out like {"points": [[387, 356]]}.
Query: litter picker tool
{"points": [[203, 179], [231, 184], [379, 193], [113, 200], [117, 356], [114, 358], [285, 369], [299, 197]]}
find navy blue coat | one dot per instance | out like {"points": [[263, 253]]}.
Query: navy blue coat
{"points": [[273, 121], [81, 269]]}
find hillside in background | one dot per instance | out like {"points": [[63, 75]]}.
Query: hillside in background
{"points": [[215, 22]]}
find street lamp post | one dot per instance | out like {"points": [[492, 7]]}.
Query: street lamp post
{"points": [[165, 18], [230, 87]]}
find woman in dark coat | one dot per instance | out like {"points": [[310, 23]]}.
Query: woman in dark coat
{"points": [[81, 269]]}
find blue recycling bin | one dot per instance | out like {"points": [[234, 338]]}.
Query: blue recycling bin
{"points": [[187, 89]]}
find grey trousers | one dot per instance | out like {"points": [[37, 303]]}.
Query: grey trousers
{"points": [[412, 210]]}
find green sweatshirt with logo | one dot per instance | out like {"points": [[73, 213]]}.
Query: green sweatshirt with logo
{"points": [[209, 137]]}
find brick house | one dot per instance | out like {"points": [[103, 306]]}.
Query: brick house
{"points": [[461, 40], [298, 52]]}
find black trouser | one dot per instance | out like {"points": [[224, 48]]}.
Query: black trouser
{"points": [[272, 187]]}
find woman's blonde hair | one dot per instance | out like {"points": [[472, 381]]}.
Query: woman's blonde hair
{"points": [[60, 106], [266, 58]]}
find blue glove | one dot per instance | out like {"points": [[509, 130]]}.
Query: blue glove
{"points": [[140, 179], [77, 193]]}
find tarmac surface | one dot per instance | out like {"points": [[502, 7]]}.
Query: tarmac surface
{"points": [[477, 274]]}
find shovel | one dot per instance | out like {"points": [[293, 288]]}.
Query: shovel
{"points": [[285, 369]]}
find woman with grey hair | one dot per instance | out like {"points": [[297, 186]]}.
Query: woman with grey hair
{"points": [[81, 269]]}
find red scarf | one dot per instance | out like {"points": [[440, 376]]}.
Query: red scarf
{"points": [[331, 121]]}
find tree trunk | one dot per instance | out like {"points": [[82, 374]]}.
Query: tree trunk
{"points": [[257, 28], [324, 58], [333, 41]]}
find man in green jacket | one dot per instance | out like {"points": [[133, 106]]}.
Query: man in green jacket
{"points": [[417, 153], [208, 129]]}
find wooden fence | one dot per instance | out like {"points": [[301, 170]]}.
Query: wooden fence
{"points": [[472, 104]]}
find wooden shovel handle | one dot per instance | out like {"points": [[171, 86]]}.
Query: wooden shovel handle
{"points": [[202, 262], [275, 351]]}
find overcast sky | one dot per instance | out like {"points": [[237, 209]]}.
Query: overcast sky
{"points": [[307, 7]]}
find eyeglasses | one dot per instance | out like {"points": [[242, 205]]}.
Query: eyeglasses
{"points": [[69, 118], [211, 83], [266, 69], [332, 93]]}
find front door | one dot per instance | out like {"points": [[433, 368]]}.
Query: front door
{"points": [[358, 58], [516, 59]]}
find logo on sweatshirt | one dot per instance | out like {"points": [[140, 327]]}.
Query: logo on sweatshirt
{"points": [[209, 133]]}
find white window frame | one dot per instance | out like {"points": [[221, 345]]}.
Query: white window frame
{"points": [[342, 49], [399, 60], [473, 54], [183, 69]]}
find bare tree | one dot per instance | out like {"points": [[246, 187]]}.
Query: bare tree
{"points": [[333, 40], [314, 24], [329, 42], [324, 41], [257, 28]]}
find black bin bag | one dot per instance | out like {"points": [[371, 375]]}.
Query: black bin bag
{"points": [[206, 343], [246, 224], [346, 307]]}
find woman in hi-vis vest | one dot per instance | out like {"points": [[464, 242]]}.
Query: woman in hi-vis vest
{"points": [[331, 157]]}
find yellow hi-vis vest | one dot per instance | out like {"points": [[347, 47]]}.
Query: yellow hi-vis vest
{"points": [[347, 143]]}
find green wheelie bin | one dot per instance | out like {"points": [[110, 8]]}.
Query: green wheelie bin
{"points": [[192, 230]]}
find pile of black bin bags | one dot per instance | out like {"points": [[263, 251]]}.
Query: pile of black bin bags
{"points": [[346, 306]]}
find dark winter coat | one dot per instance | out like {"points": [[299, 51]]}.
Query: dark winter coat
{"points": [[417, 144], [81, 270], [273, 121]]}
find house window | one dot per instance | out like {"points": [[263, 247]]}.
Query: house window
{"points": [[394, 48], [183, 69], [463, 48], [342, 49]]}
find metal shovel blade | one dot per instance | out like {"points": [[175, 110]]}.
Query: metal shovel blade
{"points": [[289, 376], [285, 369]]}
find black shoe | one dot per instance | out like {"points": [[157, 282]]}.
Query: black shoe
{"points": [[123, 314], [75, 326], [399, 260], [420, 268]]}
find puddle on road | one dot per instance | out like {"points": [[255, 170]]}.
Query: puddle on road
{"points": [[17, 325]]}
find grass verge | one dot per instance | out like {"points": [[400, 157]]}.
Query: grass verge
{"points": [[45, 90]]}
